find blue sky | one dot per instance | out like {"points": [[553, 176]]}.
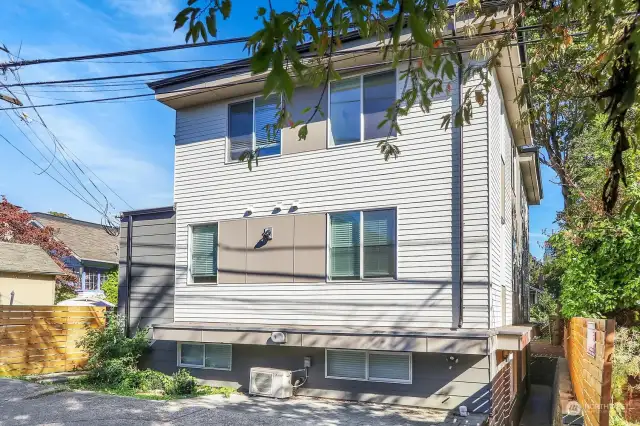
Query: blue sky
{"points": [[128, 144]]}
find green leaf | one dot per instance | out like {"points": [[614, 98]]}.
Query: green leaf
{"points": [[306, 110], [448, 69], [261, 11], [446, 121], [419, 31], [211, 25], [270, 83], [225, 8], [302, 133]]}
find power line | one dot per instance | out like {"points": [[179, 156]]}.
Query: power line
{"points": [[66, 152], [23, 63], [47, 173], [204, 90], [242, 63]]}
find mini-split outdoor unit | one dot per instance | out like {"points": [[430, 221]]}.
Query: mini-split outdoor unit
{"points": [[270, 382]]}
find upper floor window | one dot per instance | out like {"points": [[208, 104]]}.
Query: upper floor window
{"points": [[358, 105], [362, 244], [247, 121], [203, 254]]}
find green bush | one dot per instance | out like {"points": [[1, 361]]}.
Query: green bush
{"points": [[182, 383], [112, 355], [110, 287], [546, 307], [147, 380]]}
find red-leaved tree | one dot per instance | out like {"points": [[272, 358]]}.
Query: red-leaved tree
{"points": [[16, 227]]}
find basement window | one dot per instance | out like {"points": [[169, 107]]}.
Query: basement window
{"points": [[214, 356], [371, 366]]}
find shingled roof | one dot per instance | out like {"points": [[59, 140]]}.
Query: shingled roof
{"points": [[26, 258], [87, 240]]}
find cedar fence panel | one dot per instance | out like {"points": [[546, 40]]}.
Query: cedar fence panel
{"points": [[591, 375], [43, 339]]}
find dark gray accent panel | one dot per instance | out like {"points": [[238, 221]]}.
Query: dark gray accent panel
{"points": [[147, 268], [437, 382]]}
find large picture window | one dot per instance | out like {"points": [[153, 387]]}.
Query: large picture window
{"points": [[247, 121], [358, 105], [362, 244], [204, 253]]}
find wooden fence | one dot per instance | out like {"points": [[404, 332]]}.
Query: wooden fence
{"points": [[589, 349], [44, 339]]}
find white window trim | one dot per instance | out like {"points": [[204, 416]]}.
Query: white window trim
{"points": [[228, 159], [204, 349], [366, 371], [362, 277], [189, 253], [330, 142]]}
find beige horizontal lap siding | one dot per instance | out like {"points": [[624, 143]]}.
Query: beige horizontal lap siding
{"points": [[495, 222], [420, 183], [475, 217]]}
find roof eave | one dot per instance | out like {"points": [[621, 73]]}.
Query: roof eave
{"points": [[530, 166]]}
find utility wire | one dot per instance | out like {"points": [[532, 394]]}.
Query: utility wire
{"points": [[47, 173], [66, 154], [235, 65], [23, 63], [204, 90]]}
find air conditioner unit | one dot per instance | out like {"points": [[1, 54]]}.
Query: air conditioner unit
{"points": [[270, 382]]}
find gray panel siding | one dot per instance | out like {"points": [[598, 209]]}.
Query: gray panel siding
{"points": [[434, 385], [422, 183], [152, 280]]}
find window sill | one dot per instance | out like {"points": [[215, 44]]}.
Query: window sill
{"points": [[200, 367], [362, 280], [260, 158], [365, 142]]}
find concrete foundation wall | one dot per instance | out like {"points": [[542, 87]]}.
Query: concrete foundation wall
{"points": [[437, 382]]}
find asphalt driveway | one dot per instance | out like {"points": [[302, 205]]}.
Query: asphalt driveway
{"points": [[24, 403]]}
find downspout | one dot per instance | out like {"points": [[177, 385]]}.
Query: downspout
{"points": [[460, 132]]}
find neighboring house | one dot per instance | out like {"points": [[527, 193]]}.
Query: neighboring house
{"points": [[27, 275], [94, 250], [396, 281]]}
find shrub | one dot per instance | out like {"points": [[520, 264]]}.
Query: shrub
{"points": [[112, 355], [546, 307], [182, 383], [147, 380], [110, 287]]}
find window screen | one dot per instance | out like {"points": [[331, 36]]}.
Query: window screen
{"points": [[389, 367], [379, 93], [268, 142], [347, 364], [345, 245], [204, 253], [345, 111], [240, 128], [191, 354], [217, 356], [379, 243]]}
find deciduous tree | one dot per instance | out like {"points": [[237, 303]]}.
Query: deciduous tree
{"points": [[16, 226]]}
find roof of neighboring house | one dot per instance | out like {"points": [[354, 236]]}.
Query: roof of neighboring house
{"points": [[26, 258], [87, 240]]}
